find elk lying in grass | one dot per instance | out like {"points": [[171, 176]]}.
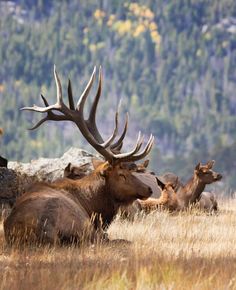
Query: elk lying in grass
{"points": [[191, 193], [125, 211], [78, 210], [167, 200]]}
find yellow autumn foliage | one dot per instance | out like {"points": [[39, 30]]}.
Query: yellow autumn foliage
{"points": [[152, 26], [99, 14], [148, 13], [95, 47], [92, 47], [86, 30], [111, 20], [141, 11], [36, 144], [140, 20], [2, 88], [138, 30], [156, 37], [17, 83], [123, 27]]}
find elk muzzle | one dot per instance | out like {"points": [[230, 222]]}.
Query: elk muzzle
{"points": [[146, 184], [217, 176]]}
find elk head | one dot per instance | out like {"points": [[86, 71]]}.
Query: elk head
{"points": [[206, 174], [122, 183], [168, 196], [76, 172]]}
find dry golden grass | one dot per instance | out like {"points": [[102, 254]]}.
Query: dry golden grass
{"points": [[191, 250]]}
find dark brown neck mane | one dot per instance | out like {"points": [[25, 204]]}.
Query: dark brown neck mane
{"points": [[93, 193]]}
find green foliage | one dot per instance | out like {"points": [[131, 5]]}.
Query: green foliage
{"points": [[171, 62]]}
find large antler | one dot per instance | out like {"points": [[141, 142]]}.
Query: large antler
{"points": [[88, 127]]}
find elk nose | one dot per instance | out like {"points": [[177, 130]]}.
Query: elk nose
{"points": [[152, 173], [219, 176]]}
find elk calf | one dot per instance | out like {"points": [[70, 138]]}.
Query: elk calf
{"points": [[167, 200]]}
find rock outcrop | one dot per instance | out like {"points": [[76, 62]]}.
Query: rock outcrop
{"points": [[15, 179]]}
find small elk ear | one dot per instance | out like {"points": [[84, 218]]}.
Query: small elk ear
{"points": [[104, 169], [96, 162], [210, 164], [68, 168], [198, 166], [175, 183], [160, 183], [145, 163]]}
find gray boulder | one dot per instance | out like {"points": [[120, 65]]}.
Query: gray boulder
{"points": [[15, 179]]}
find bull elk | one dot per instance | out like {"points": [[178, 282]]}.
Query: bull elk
{"points": [[71, 211]]}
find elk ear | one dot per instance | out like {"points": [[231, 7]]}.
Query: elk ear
{"points": [[210, 164], [145, 163], [198, 166], [96, 162], [68, 168], [175, 183], [160, 183], [105, 168]]}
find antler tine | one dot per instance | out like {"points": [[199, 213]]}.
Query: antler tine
{"points": [[70, 96], [113, 136], [121, 156], [91, 121], [118, 144], [83, 97], [39, 123], [92, 114], [50, 116], [58, 85], [117, 149], [44, 100], [124, 157], [145, 151], [59, 104]]}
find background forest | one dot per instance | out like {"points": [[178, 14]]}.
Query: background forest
{"points": [[172, 63]]}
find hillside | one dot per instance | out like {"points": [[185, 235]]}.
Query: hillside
{"points": [[172, 63]]}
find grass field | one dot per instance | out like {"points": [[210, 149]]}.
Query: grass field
{"points": [[191, 250]]}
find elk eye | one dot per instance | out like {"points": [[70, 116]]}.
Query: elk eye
{"points": [[122, 176]]}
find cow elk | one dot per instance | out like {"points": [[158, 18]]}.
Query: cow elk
{"points": [[72, 211], [190, 193]]}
